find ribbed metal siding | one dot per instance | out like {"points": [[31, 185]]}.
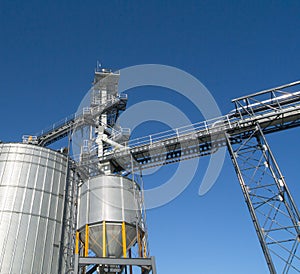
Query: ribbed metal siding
{"points": [[113, 199], [108, 198], [32, 182]]}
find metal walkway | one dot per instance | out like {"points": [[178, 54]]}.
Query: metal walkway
{"points": [[75, 121], [280, 111]]}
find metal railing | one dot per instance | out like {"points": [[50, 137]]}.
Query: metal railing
{"points": [[93, 111], [207, 127]]}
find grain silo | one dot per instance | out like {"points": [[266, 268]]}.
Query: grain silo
{"points": [[32, 185]]}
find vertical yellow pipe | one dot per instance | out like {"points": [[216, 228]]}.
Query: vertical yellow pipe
{"points": [[104, 239], [124, 240], [139, 243], [77, 243], [86, 245], [145, 247]]}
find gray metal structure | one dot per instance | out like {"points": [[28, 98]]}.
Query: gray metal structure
{"points": [[67, 248], [146, 264], [273, 211], [111, 199], [110, 219], [270, 203], [32, 192], [272, 208]]}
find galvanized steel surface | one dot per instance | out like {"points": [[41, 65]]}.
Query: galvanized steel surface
{"points": [[32, 183], [112, 199]]}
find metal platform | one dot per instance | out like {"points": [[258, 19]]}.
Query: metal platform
{"points": [[113, 265]]}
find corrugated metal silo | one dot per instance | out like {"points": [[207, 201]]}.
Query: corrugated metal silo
{"points": [[32, 184], [108, 203]]}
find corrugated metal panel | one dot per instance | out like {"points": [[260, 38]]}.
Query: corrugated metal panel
{"points": [[113, 199], [32, 183]]}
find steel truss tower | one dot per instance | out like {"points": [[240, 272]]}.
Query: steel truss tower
{"points": [[271, 206]]}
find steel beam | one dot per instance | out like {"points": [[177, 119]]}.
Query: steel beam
{"points": [[148, 264]]}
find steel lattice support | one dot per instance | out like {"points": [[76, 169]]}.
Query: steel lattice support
{"points": [[272, 208], [69, 221]]}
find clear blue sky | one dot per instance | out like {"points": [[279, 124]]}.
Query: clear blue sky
{"points": [[48, 52]]}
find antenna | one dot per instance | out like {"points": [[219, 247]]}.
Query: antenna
{"points": [[99, 65]]}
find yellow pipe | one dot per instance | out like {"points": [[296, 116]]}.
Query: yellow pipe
{"points": [[86, 245], [104, 239], [77, 243], [124, 240], [139, 243], [145, 247]]}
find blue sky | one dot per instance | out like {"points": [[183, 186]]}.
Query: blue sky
{"points": [[48, 52]]}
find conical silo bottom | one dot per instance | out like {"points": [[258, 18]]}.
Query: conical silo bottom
{"points": [[113, 238]]}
